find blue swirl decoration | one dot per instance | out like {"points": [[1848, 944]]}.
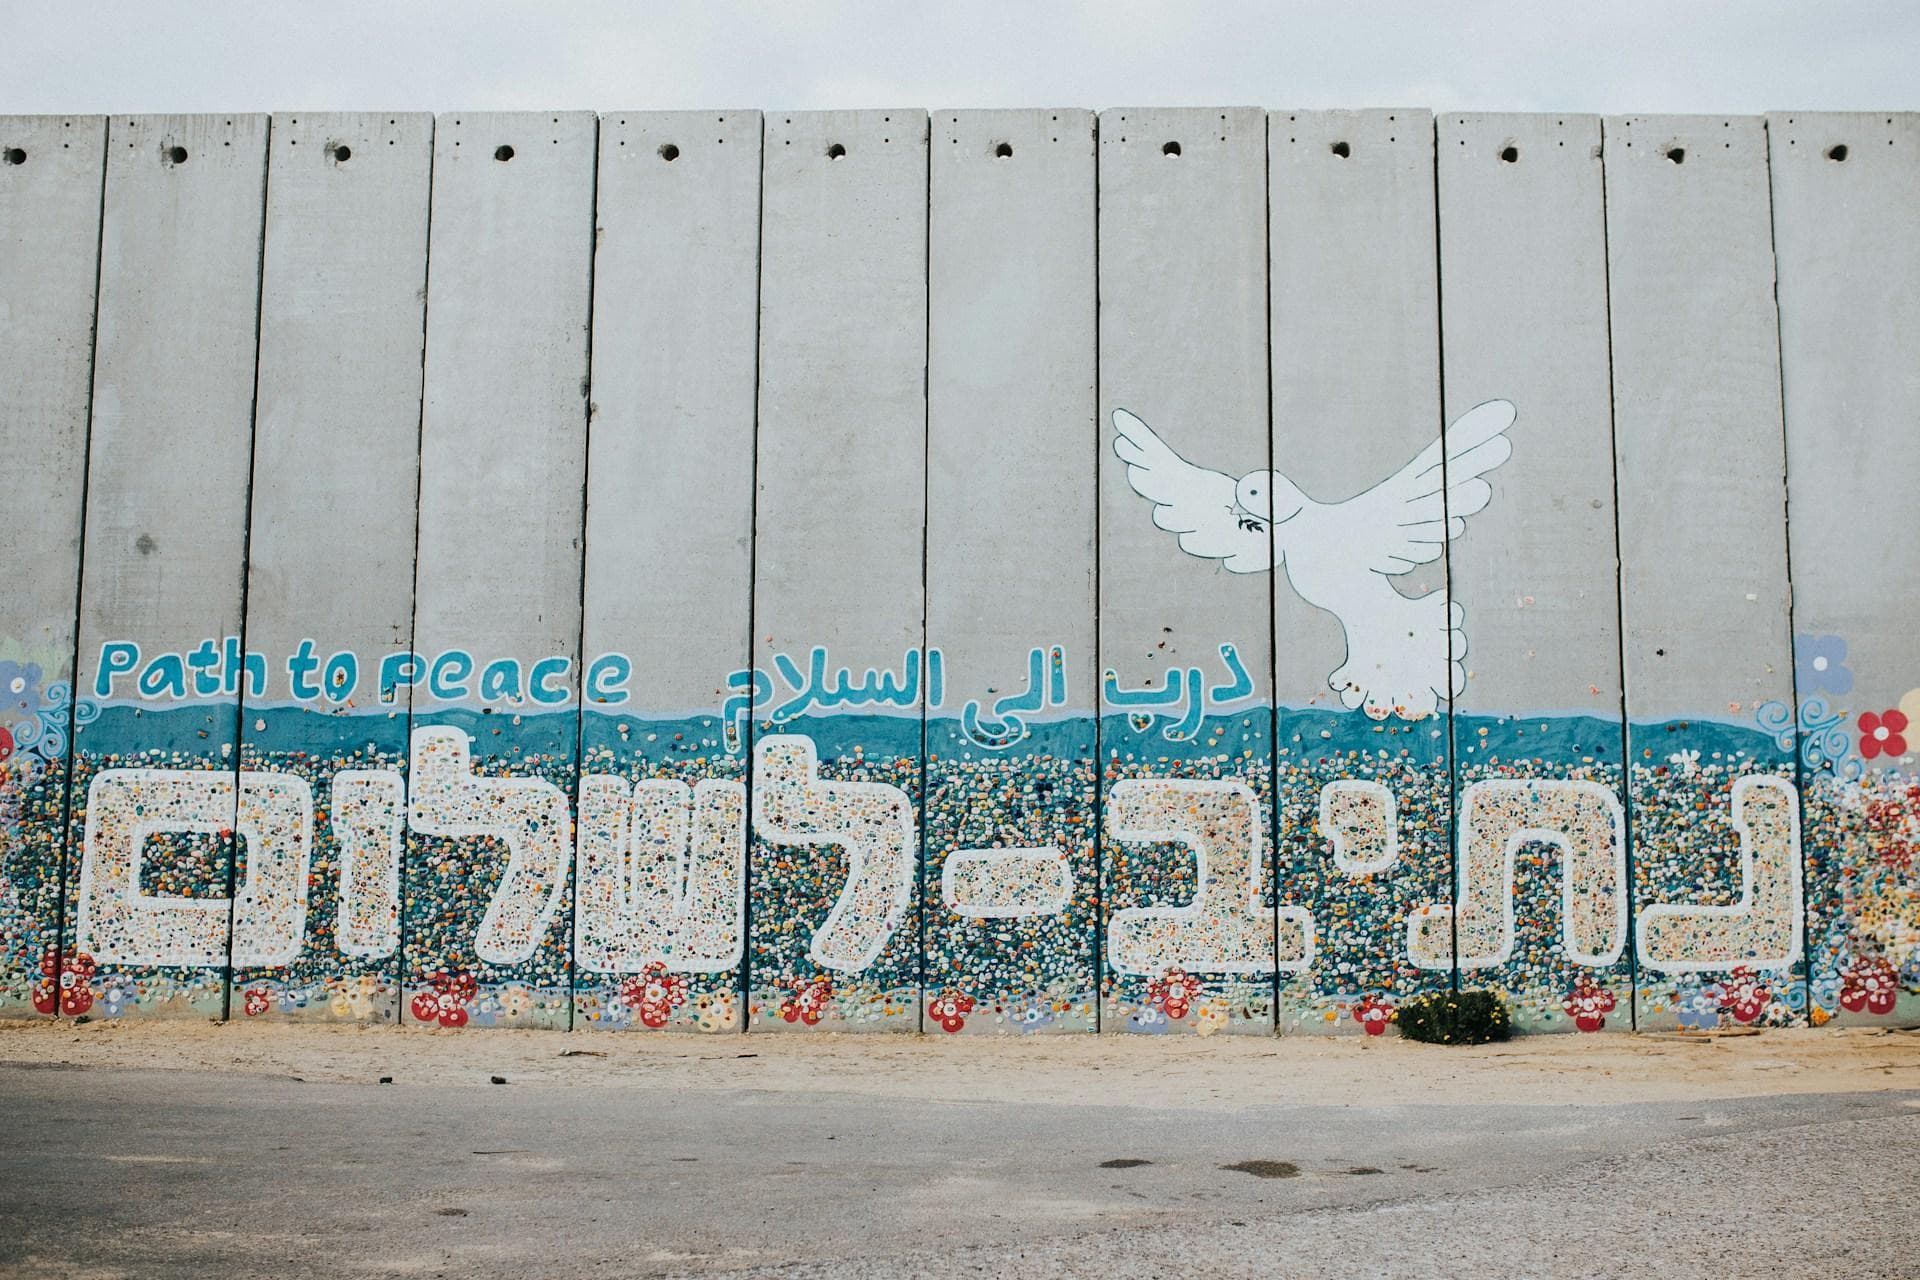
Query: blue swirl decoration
{"points": [[1824, 743], [49, 734], [37, 716]]}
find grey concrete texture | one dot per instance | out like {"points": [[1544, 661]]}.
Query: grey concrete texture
{"points": [[1011, 398], [1355, 339], [50, 172], [1847, 251], [1697, 425], [337, 437], [173, 387], [841, 510], [670, 468], [161, 1174], [1523, 257], [1183, 346], [504, 432]]}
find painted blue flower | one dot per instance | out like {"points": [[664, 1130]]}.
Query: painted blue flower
{"points": [[616, 1012], [1820, 665], [1032, 1018], [1150, 1020], [19, 691], [115, 995], [1910, 973], [1697, 1010], [1826, 991]]}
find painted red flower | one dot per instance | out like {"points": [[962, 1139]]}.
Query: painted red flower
{"points": [[1870, 985], [1588, 1004], [446, 1001], [1743, 995], [1883, 734], [1373, 1014], [46, 988], [76, 995], [1172, 993], [950, 1010], [655, 994], [258, 1001], [808, 1003], [6, 744]]}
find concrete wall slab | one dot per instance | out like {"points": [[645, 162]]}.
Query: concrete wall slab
{"points": [[1700, 463], [1011, 439], [165, 553], [330, 554], [840, 512], [1848, 257], [50, 176], [487, 923]]}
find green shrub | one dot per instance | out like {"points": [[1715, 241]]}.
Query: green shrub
{"points": [[1455, 1017]]}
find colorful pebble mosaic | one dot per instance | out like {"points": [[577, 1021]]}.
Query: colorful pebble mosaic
{"points": [[1718, 894]]}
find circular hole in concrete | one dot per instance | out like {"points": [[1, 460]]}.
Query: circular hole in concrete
{"points": [[1170, 149], [16, 156], [836, 152], [1677, 154], [1510, 153], [503, 153], [669, 152], [1836, 152], [176, 155], [1004, 150], [1342, 150], [342, 153]]}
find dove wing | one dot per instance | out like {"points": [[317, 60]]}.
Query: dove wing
{"points": [[1192, 502], [1408, 518]]}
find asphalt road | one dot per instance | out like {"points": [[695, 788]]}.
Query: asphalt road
{"points": [[112, 1172]]}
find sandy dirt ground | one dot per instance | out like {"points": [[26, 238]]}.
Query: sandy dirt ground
{"points": [[1216, 1073]]}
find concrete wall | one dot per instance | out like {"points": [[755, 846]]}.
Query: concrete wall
{"points": [[1706, 636], [839, 556], [669, 571], [1850, 366], [1355, 351], [1182, 318], [335, 477], [163, 573], [49, 258], [1202, 570], [496, 605], [1011, 444], [1523, 252]]}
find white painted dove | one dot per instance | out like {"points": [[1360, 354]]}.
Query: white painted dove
{"points": [[1339, 556]]}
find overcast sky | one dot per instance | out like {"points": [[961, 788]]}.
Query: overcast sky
{"points": [[1619, 56]]}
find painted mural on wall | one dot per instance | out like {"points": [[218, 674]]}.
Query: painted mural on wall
{"points": [[654, 867], [657, 873], [36, 715], [461, 839]]}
